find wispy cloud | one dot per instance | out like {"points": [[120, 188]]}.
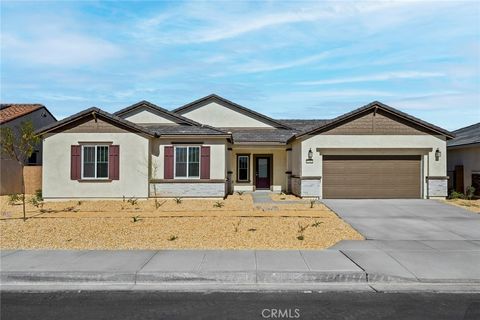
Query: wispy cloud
{"points": [[254, 67], [60, 49], [376, 77]]}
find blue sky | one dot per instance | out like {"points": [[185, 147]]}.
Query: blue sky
{"points": [[284, 59]]}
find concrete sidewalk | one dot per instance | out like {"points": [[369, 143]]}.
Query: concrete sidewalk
{"points": [[358, 263]]}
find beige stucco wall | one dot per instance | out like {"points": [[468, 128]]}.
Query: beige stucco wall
{"points": [[146, 116], [279, 166], [214, 114], [134, 153], [468, 157], [412, 144], [218, 150]]}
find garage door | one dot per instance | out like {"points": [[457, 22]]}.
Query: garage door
{"points": [[358, 177]]}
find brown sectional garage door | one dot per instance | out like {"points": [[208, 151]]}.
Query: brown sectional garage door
{"points": [[356, 177]]}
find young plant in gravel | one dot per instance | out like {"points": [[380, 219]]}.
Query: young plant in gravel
{"points": [[133, 201], [301, 230], [14, 198], [236, 225], [158, 204], [136, 219], [316, 224], [35, 202], [218, 204], [178, 200], [172, 238], [18, 145]]}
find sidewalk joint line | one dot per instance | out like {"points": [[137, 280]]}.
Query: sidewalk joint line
{"points": [[304, 260], [143, 266]]}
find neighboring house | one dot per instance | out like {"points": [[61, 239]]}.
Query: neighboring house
{"points": [[212, 147], [12, 116], [464, 159]]}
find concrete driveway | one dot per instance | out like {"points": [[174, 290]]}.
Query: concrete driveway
{"points": [[408, 219]]}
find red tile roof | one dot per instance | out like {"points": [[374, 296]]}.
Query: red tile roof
{"points": [[12, 111]]}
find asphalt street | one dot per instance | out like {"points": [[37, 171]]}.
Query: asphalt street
{"points": [[223, 305]]}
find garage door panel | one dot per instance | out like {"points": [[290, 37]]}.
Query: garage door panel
{"points": [[371, 177]]}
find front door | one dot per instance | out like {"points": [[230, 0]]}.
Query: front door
{"points": [[262, 172]]}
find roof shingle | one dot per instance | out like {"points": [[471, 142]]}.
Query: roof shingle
{"points": [[465, 136], [12, 111]]}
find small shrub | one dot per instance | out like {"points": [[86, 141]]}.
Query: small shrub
{"points": [[218, 204], [316, 224], [312, 203], [14, 198], [301, 230], [35, 202], [136, 218], [456, 195], [470, 192], [133, 201], [237, 225], [38, 194], [172, 238], [178, 200]]}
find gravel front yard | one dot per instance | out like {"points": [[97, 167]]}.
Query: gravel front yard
{"points": [[472, 205], [195, 224]]}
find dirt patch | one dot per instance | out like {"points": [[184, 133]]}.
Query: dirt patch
{"points": [[472, 205], [196, 224]]}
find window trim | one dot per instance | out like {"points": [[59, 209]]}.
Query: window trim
{"points": [[82, 177], [187, 162], [248, 168]]}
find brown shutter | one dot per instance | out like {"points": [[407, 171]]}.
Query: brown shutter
{"points": [[114, 162], [205, 163], [75, 162], [168, 163]]}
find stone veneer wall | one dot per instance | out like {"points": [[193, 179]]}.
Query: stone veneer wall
{"points": [[188, 190], [437, 187], [309, 188]]}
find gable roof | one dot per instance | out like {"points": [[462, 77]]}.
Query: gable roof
{"points": [[374, 106], [231, 105], [11, 111], [164, 112], [94, 111], [465, 136]]}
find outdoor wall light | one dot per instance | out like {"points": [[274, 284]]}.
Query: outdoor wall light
{"points": [[310, 156], [438, 154]]}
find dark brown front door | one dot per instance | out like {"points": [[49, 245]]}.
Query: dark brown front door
{"points": [[262, 172]]}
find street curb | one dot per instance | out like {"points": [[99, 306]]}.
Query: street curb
{"points": [[219, 277]]}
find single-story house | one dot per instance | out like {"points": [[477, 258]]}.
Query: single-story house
{"points": [[463, 159], [212, 147], [11, 116]]}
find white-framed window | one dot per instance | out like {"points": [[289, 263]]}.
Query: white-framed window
{"points": [[94, 161], [187, 162], [243, 168]]}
